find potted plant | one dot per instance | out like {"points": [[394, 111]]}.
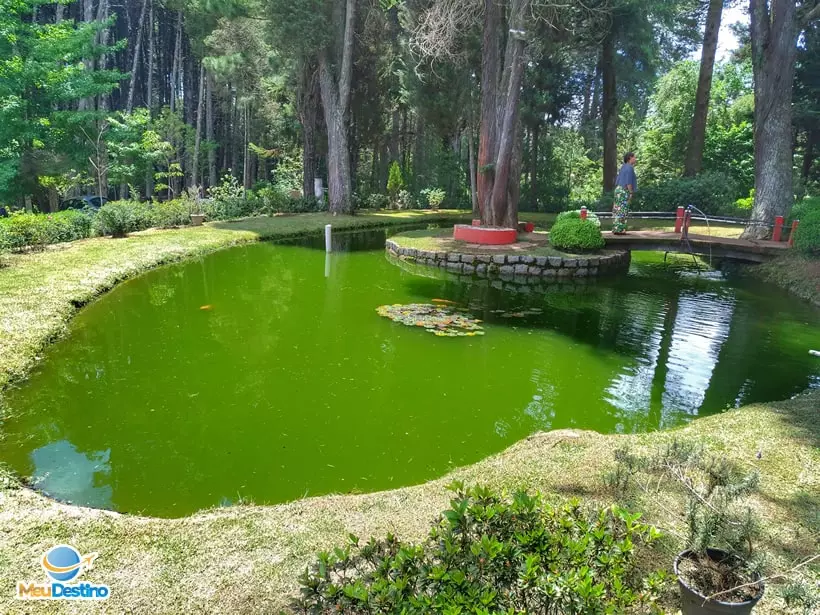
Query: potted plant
{"points": [[197, 215], [718, 572]]}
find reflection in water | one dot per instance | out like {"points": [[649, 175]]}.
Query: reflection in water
{"points": [[63, 472]]}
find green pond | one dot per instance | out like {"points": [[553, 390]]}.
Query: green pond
{"points": [[289, 384]]}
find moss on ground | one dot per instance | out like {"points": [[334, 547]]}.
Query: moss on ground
{"points": [[246, 559]]}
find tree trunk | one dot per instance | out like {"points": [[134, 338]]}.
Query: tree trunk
{"points": [[198, 139], [774, 46], [610, 112], [176, 64], [536, 137], [103, 102], [149, 87], [87, 104], [472, 167], [246, 162], [697, 137], [209, 131], [335, 93], [137, 46], [309, 116], [812, 137], [393, 146], [487, 140]]}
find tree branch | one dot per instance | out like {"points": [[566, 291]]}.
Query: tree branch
{"points": [[777, 576], [810, 15]]}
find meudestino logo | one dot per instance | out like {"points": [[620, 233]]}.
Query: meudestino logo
{"points": [[63, 564]]}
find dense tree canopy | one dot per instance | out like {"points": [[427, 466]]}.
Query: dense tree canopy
{"points": [[502, 105]]}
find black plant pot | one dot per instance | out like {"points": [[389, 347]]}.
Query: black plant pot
{"points": [[693, 602]]}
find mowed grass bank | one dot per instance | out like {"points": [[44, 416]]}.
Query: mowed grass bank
{"points": [[246, 559]]}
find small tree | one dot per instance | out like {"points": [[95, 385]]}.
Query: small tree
{"points": [[395, 182]]}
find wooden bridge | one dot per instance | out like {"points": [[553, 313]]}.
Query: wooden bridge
{"points": [[717, 247]]}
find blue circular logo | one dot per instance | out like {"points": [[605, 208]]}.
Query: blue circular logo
{"points": [[62, 563]]}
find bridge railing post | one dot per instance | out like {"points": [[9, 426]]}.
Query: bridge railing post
{"points": [[795, 224], [778, 228], [679, 220], [584, 213]]}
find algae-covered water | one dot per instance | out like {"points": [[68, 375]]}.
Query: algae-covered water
{"points": [[263, 373]]}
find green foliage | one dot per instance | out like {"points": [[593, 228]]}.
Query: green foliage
{"points": [[395, 181], [712, 193], [170, 214], [377, 201], [803, 208], [22, 230], [118, 218], [41, 75], [746, 204], [576, 215], [807, 237], [405, 200], [490, 553], [435, 197], [571, 233]]}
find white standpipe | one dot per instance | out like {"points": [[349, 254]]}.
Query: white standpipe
{"points": [[328, 247], [318, 188]]}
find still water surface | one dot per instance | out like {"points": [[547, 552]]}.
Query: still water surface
{"points": [[289, 384]]}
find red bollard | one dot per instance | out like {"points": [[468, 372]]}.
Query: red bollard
{"points": [[778, 228], [795, 224], [679, 220], [584, 213]]}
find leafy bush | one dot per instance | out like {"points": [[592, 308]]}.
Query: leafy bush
{"points": [[576, 215], [169, 214], [572, 233], [22, 230], [435, 197], [803, 208], [492, 554], [405, 200], [712, 193], [377, 201], [807, 237], [234, 207], [274, 199], [746, 204], [118, 218]]}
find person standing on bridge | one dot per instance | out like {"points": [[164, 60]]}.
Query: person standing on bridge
{"points": [[625, 187]]}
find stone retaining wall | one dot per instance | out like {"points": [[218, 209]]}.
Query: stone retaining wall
{"points": [[514, 265]]}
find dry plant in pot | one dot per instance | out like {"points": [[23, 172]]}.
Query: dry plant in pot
{"points": [[719, 571]]}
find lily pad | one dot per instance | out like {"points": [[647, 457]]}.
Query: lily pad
{"points": [[439, 320]]}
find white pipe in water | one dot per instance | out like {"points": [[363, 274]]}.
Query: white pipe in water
{"points": [[328, 247]]}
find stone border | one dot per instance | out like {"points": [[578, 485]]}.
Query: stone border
{"points": [[514, 265]]}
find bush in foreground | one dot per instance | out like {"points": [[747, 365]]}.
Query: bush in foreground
{"points": [[571, 233], [492, 554]]}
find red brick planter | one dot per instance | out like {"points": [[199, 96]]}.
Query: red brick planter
{"points": [[486, 236]]}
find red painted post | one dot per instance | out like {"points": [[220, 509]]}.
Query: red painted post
{"points": [[679, 220], [778, 228], [584, 213], [795, 224]]}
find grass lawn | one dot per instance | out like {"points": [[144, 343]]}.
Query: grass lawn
{"points": [[246, 559]]}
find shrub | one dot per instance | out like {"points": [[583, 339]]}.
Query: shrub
{"points": [[492, 554], [712, 193], [435, 197], [803, 208], [576, 215], [169, 214], [234, 207], [118, 218], [395, 182], [377, 201], [807, 237], [23, 230], [274, 200], [572, 233], [405, 200]]}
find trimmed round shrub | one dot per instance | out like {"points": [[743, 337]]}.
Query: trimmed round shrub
{"points": [[493, 553], [118, 218], [572, 233], [575, 214], [170, 214], [807, 237]]}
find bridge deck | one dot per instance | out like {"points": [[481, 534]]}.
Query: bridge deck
{"points": [[741, 249]]}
